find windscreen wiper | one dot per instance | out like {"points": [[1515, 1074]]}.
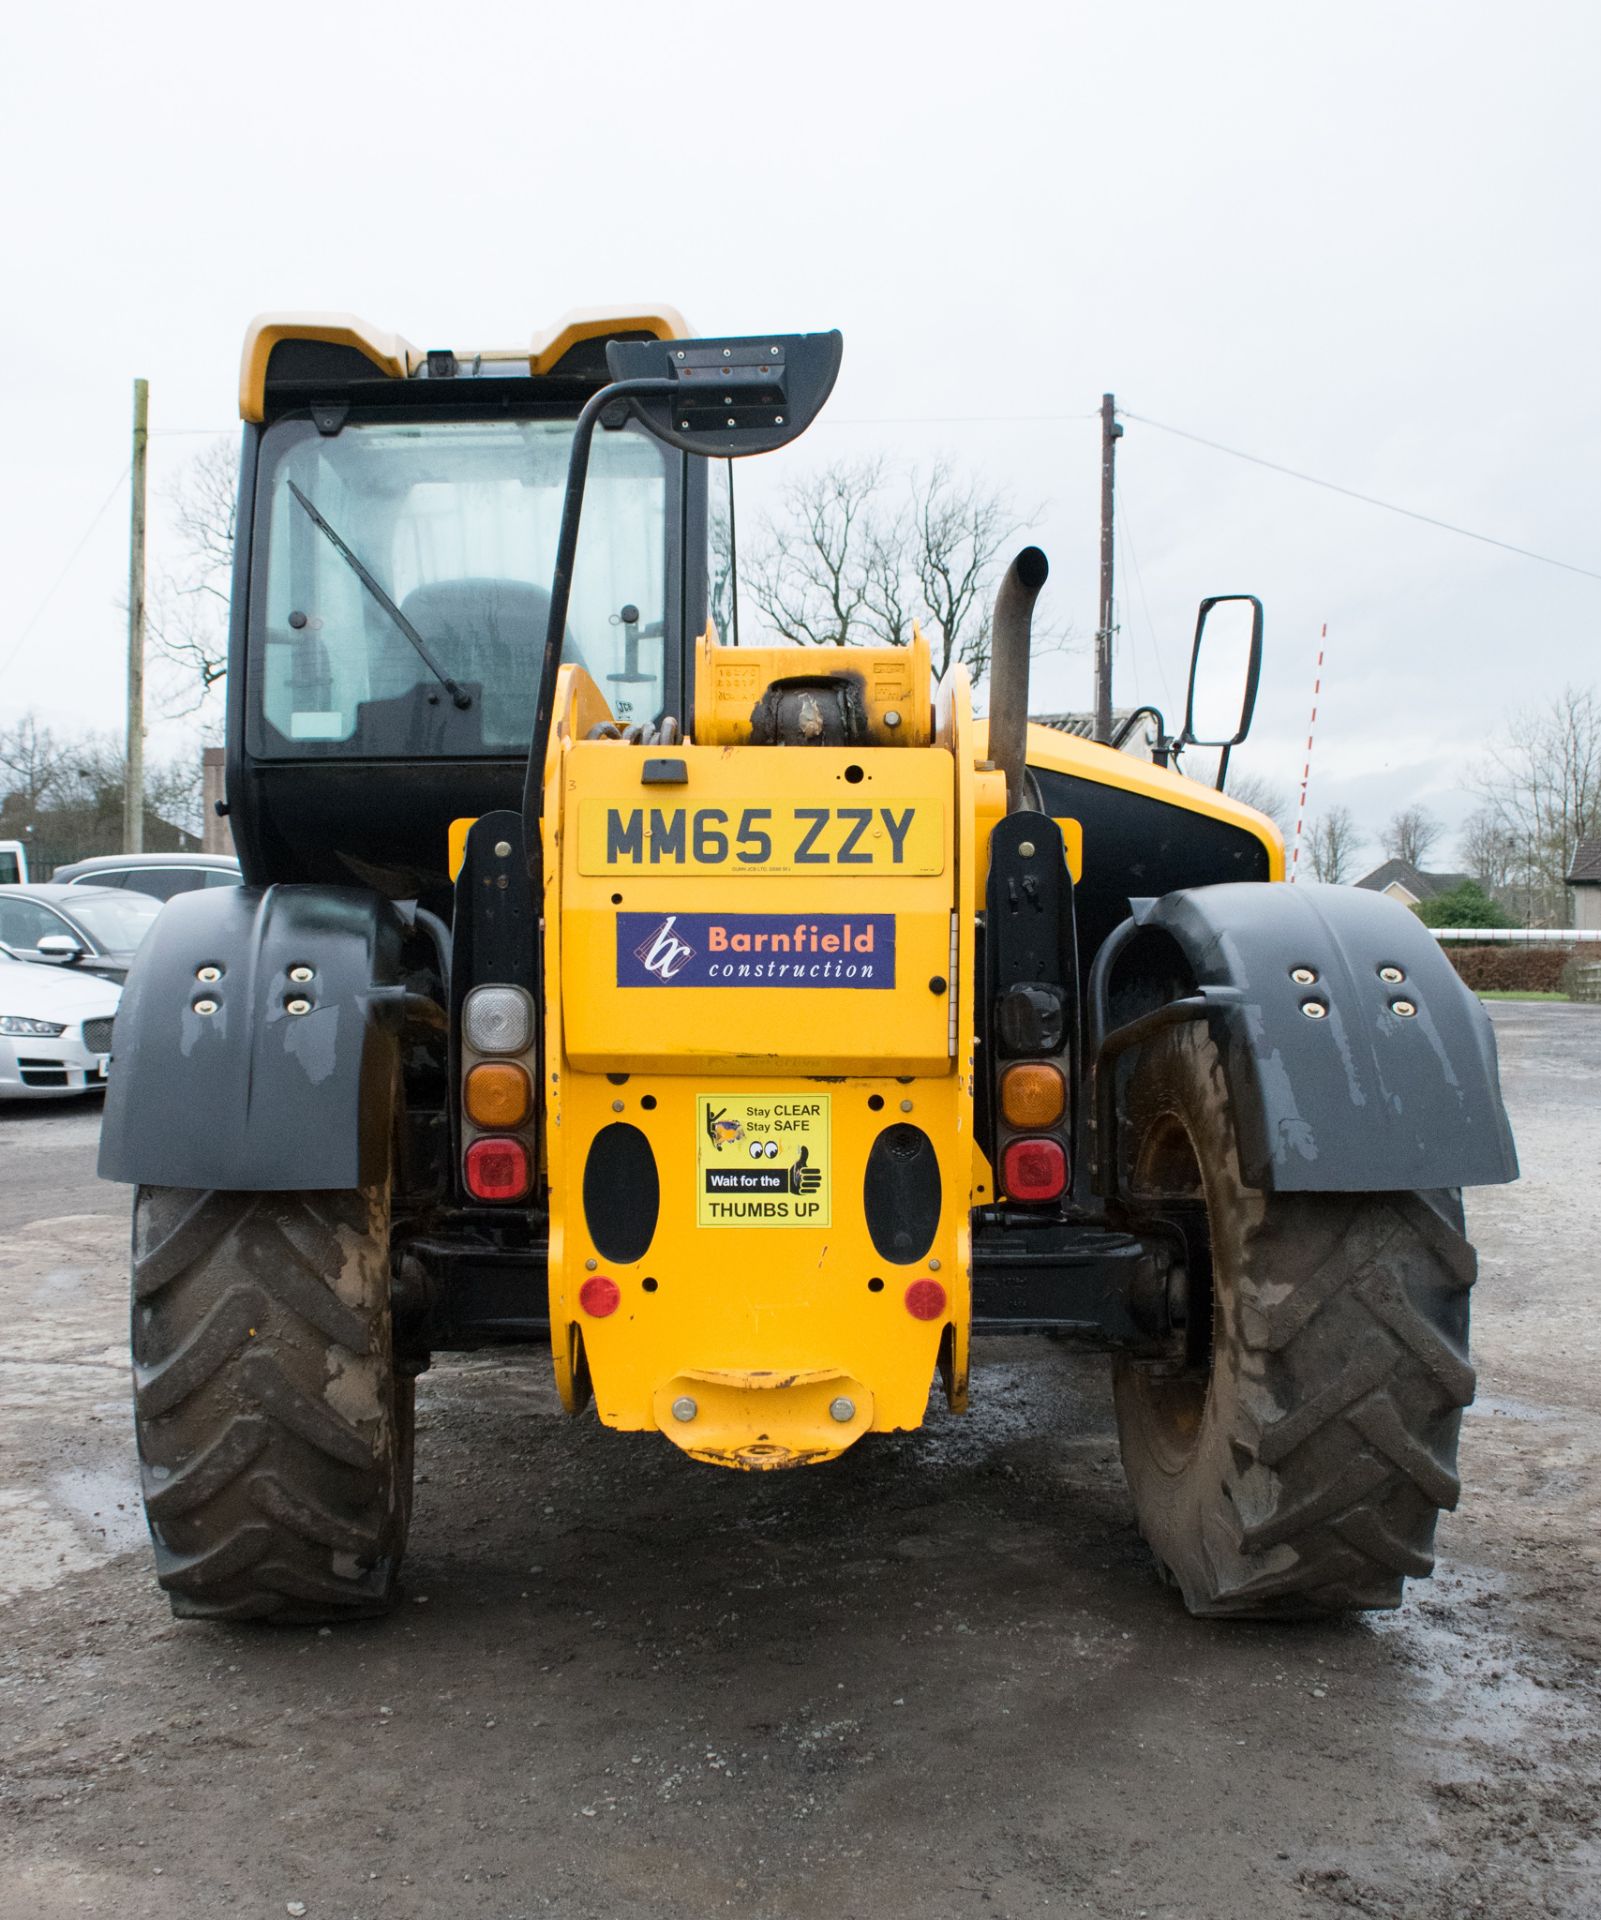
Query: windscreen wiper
{"points": [[458, 693]]}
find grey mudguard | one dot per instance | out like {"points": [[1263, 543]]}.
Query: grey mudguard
{"points": [[251, 1095], [1364, 1100]]}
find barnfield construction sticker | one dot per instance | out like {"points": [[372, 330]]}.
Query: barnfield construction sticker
{"points": [[762, 1160], [846, 950]]}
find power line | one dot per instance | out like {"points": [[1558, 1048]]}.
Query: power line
{"points": [[38, 612], [954, 419], [1367, 499]]}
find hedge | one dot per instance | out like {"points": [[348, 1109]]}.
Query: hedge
{"points": [[1511, 969]]}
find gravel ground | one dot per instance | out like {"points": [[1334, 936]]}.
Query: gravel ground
{"points": [[938, 1679]]}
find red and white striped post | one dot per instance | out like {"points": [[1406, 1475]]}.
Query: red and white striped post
{"points": [[1306, 771]]}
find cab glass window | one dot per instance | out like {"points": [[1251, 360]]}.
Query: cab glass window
{"points": [[455, 523]]}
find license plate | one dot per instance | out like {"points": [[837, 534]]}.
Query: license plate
{"points": [[102, 1066], [886, 837]]}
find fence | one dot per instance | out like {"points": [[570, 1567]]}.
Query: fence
{"points": [[1526, 959]]}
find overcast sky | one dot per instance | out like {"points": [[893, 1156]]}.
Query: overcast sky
{"points": [[1358, 240]]}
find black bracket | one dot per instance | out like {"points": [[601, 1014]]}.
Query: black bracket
{"points": [[730, 396]]}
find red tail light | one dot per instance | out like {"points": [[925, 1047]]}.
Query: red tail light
{"points": [[1034, 1170], [599, 1295], [925, 1299], [498, 1170]]}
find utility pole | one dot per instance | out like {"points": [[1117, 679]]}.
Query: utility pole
{"points": [[133, 789], [1111, 433]]}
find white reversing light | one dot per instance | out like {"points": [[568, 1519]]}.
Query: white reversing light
{"points": [[498, 1020]]}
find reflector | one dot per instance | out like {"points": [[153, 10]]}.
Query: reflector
{"points": [[925, 1299], [599, 1295]]}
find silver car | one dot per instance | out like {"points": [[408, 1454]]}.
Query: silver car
{"points": [[86, 929], [55, 1030]]}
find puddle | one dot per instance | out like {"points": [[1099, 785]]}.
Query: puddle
{"points": [[1498, 1408], [78, 1520], [39, 1545], [105, 1502], [1472, 1682]]}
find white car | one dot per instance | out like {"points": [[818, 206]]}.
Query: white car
{"points": [[55, 1030]]}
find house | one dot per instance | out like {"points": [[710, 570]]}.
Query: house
{"points": [[1409, 884], [1584, 876], [1082, 725]]}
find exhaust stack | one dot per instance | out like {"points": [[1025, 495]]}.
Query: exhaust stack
{"points": [[1010, 641]]}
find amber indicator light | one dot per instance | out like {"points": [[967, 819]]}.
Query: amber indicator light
{"points": [[1033, 1094], [499, 1094]]}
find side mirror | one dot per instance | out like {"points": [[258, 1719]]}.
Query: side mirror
{"points": [[62, 947], [1225, 667]]}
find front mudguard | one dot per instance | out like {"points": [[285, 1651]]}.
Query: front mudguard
{"points": [[247, 1094], [1362, 1099]]}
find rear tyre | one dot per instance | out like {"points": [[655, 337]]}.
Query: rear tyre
{"points": [[275, 1437], [1297, 1464]]}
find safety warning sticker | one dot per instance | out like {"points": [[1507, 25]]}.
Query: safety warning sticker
{"points": [[762, 1160]]}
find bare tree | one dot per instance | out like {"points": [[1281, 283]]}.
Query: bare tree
{"points": [[188, 613], [33, 766], [856, 558], [959, 527], [1411, 834], [1331, 845], [1542, 786], [1263, 794], [64, 796], [810, 574], [1488, 851], [719, 584]]}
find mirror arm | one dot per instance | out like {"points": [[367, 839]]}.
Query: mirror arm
{"points": [[561, 590]]}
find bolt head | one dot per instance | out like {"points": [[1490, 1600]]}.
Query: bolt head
{"points": [[684, 1408], [1026, 849], [1391, 976], [502, 849], [1304, 976], [298, 1007], [205, 1006], [892, 718], [1404, 1008], [933, 1266], [842, 1410], [906, 1106], [1314, 1009], [208, 974], [300, 975]]}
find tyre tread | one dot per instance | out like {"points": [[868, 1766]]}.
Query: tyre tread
{"points": [[1350, 1332], [268, 1415]]}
